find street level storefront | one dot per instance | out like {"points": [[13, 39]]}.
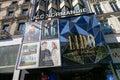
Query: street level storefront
{"points": [[54, 48]]}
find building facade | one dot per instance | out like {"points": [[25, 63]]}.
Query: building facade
{"points": [[108, 13], [13, 16], [15, 13]]}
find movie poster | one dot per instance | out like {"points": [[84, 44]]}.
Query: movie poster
{"points": [[49, 29], [50, 53], [32, 32], [29, 56]]}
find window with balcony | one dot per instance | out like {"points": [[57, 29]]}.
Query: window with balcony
{"points": [[25, 12], [114, 6], [106, 28], [10, 14], [6, 28], [20, 29], [98, 9]]}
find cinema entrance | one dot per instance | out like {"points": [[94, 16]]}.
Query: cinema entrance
{"points": [[71, 73]]}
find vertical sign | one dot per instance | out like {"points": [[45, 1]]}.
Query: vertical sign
{"points": [[29, 52], [50, 44]]}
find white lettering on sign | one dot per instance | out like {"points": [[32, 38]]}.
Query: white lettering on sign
{"points": [[57, 14]]}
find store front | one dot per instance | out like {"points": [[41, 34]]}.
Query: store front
{"points": [[90, 73], [68, 48]]}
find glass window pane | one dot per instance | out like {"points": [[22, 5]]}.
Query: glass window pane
{"points": [[98, 9], [10, 14], [25, 12], [6, 27], [21, 26], [8, 55], [114, 6]]}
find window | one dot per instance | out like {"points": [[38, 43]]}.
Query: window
{"points": [[20, 29], [114, 6], [8, 55], [106, 28], [10, 14], [98, 9], [14, 2], [21, 26], [25, 12], [6, 27]]}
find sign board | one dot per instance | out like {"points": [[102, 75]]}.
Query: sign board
{"points": [[82, 41], [63, 42]]}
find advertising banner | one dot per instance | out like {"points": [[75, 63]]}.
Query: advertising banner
{"points": [[40, 46], [29, 56], [32, 33], [50, 53]]}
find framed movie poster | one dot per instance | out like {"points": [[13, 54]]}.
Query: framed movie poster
{"points": [[49, 29], [32, 32], [29, 56], [50, 53]]}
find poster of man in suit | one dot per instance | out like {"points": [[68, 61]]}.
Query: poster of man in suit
{"points": [[32, 33]]}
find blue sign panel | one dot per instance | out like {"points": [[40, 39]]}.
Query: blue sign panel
{"points": [[81, 40]]}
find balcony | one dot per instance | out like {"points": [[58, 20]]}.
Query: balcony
{"points": [[4, 35]]}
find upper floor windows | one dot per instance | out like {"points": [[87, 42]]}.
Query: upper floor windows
{"points": [[98, 9], [114, 6], [21, 26], [25, 12], [10, 14], [20, 29], [6, 27]]}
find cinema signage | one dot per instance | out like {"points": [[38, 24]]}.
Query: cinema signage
{"points": [[59, 14], [62, 42]]}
